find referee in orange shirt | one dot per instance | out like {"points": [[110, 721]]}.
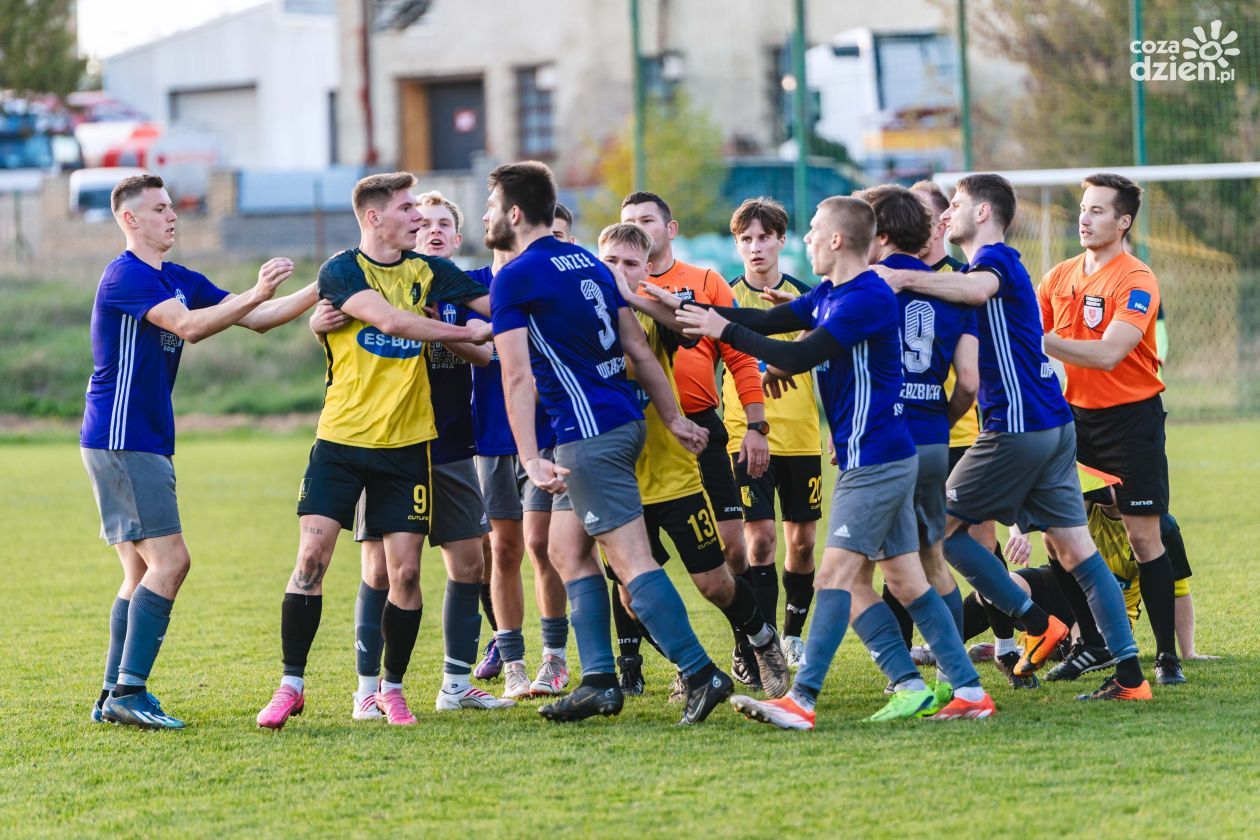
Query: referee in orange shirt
{"points": [[1098, 312]]}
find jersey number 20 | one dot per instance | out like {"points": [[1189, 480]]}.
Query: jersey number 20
{"points": [[920, 332], [591, 291]]}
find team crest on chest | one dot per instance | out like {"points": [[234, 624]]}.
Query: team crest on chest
{"points": [[1093, 311], [416, 291]]}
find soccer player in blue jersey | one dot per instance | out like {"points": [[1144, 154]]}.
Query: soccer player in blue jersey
{"points": [[1022, 468], [854, 341], [559, 321], [145, 309]]}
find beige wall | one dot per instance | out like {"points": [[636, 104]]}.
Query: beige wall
{"points": [[725, 46]]}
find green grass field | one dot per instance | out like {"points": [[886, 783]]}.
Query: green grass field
{"points": [[1186, 765]]}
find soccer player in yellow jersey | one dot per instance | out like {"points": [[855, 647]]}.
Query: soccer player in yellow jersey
{"points": [[674, 498], [373, 435], [759, 226]]}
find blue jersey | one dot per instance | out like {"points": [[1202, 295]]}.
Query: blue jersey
{"points": [[134, 362], [450, 385], [569, 302], [930, 329], [1019, 391], [861, 388], [491, 431]]}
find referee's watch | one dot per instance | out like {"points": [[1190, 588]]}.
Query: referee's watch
{"points": [[763, 427]]}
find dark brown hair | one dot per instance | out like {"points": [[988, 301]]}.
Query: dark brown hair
{"points": [[564, 213], [375, 191], [129, 188], [995, 191], [940, 201], [772, 215], [1128, 194], [528, 185], [899, 215], [642, 197]]}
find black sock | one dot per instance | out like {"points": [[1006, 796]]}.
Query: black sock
{"points": [[702, 676], [599, 680], [1075, 596], [765, 586], [743, 613], [629, 636], [299, 621], [798, 593], [400, 628], [1129, 673], [1002, 624], [487, 607], [1036, 621], [104, 696], [975, 619], [904, 621], [1156, 580]]}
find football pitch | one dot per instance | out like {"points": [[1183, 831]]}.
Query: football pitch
{"points": [[1187, 764]]}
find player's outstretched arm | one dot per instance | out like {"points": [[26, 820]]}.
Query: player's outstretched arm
{"points": [[652, 379], [325, 318], [518, 393], [280, 311], [789, 356], [972, 288], [370, 307], [193, 325], [1117, 341], [966, 377]]}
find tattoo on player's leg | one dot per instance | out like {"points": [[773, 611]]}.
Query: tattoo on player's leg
{"points": [[307, 579]]}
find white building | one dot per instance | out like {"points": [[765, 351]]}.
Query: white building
{"points": [[263, 81]]}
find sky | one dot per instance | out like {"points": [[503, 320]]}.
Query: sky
{"points": [[107, 27]]}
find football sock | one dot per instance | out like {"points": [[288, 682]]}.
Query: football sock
{"points": [[1002, 624], [904, 622], [804, 696], [299, 620], [658, 606], [511, 644], [387, 686], [555, 635], [629, 635], [1128, 672], [878, 630], [798, 596], [296, 683], [975, 620], [1004, 644], [1106, 603], [831, 619], [986, 574], [400, 627], [954, 603], [117, 636], [745, 617], [369, 605], [599, 680], [589, 615], [940, 629], [461, 628], [1156, 580], [487, 607], [1075, 596], [765, 586], [148, 616], [368, 683]]}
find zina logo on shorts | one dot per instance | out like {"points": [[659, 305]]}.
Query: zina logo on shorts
{"points": [[1202, 58]]}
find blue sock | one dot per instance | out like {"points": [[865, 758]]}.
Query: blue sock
{"points": [[954, 602], [511, 644], [368, 639], [555, 632], [941, 632], [831, 619], [1106, 602], [461, 626], [986, 574], [878, 629], [657, 604], [117, 635], [147, 619], [591, 615]]}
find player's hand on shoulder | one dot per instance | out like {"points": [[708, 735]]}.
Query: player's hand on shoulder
{"points": [[271, 274], [326, 318], [546, 475], [699, 322], [693, 437], [889, 275]]}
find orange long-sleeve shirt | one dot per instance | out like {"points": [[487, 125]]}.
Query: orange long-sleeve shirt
{"points": [[695, 368]]}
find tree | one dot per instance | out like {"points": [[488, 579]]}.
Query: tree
{"points": [[38, 53]]}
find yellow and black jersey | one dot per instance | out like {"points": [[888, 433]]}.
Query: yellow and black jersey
{"points": [[665, 471], [793, 417], [377, 390], [1113, 544], [967, 428]]}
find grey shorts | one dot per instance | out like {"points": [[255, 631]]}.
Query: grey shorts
{"points": [[929, 493], [507, 490], [603, 490], [457, 513], [1027, 478], [135, 494], [872, 510]]}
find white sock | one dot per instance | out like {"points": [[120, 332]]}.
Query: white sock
{"points": [[802, 701], [547, 651], [912, 684], [1003, 646], [296, 683], [762, 637], [940, 677], [972, 693], [387, 687], [455, 683], [367, 685]]}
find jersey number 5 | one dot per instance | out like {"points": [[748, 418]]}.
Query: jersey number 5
{"points": [[920, 332], [591, 291]]}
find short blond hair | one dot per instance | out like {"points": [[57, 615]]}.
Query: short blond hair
{"points": [[626, 233], [433, 198], [375, 191]]}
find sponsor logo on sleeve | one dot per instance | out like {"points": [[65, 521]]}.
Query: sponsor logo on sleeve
{"points": [[1139, 301]]}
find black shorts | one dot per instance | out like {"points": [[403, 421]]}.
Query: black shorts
{"points": [[691, 526], [1047, 594], [396, 480], [798, 480], [715, 467], [955, 455], [1128, 442]]}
